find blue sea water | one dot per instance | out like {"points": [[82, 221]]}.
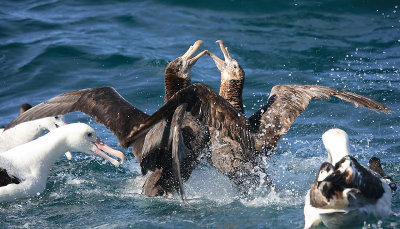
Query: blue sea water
{"points": [[49, 47]]}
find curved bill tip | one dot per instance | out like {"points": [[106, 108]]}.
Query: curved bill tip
{"points": [[115, 162], [198, 42], [101, 146], [68, 155]]}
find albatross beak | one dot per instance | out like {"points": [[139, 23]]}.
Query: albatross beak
{"points": [[193, 60], [224, 50], [101, 146], [221, 64], [192, 49], [218, 62]]}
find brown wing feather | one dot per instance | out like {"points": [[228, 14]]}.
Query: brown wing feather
{"points": [[286, 102], [105, 105], [209, 108]]}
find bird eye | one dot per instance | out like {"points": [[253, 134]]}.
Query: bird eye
{"points": [[234, 66], [57, 117], [89, 135]]}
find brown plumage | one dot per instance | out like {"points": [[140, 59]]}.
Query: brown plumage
{"points": [[284, 104], [319, 194], [239, 157], [105, 105], [375, 165], [24, 107], [178, 73], [191, 136], [232, 78]]}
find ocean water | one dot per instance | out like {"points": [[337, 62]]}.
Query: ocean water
{"points": [[50, 47]]}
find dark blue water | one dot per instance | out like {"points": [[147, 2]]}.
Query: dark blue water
{"points": [[51, 47]]}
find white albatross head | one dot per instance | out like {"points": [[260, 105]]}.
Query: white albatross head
{"points": [[336, 143], [84, 139], [51, 123]]}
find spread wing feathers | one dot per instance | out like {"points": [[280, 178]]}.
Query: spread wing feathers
{"points": [[153, 140], [209, 108], [350, 174], [105, 105], [286, 102], [178, 146]]}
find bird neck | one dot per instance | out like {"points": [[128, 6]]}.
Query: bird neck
{"points": [[335, 154], [173, 84], [25, 132], [40, 153], [231, 91]]}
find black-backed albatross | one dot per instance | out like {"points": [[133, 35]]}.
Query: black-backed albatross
{"points": [[345, 192]]}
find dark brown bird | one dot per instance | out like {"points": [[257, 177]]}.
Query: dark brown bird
{"points": [[24, 107], [284, 104], [191, 140], [266, 126], [234, 150], [375, 165]]}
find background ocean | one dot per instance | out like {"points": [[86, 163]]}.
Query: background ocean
{"points": [[50, 47]]}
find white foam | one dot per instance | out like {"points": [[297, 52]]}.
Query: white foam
{"points": [[207, 183]]}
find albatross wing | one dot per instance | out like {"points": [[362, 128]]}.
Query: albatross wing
{"points": [[105, 105], [285, 104]]}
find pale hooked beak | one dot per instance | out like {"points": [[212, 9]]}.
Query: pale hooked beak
{"points": [[218, 62], [101, 146], [192, 49], [224, 50]]}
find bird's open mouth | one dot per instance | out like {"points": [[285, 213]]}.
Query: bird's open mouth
{"points": [[191, 51], [101, 146]]}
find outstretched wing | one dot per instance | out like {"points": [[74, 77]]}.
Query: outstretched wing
{"points": [[285, 104], [105, 105], [209, 108]]}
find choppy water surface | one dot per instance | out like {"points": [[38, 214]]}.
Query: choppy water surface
{"points": [[50, 47]]}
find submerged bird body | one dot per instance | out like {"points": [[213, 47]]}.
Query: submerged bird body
{"points": [[27, 166], [375, 165], [347, 193]]}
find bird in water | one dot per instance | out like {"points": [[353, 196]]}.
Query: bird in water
{"points": [[375, 165], [25, 168], [241, 141], [109, 108], [26, 132], [345, 192], [267, 124], [24, 107]]}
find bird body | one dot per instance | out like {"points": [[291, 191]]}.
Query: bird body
{"points": [[345, 192], [30, 163], [28, 131]]}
